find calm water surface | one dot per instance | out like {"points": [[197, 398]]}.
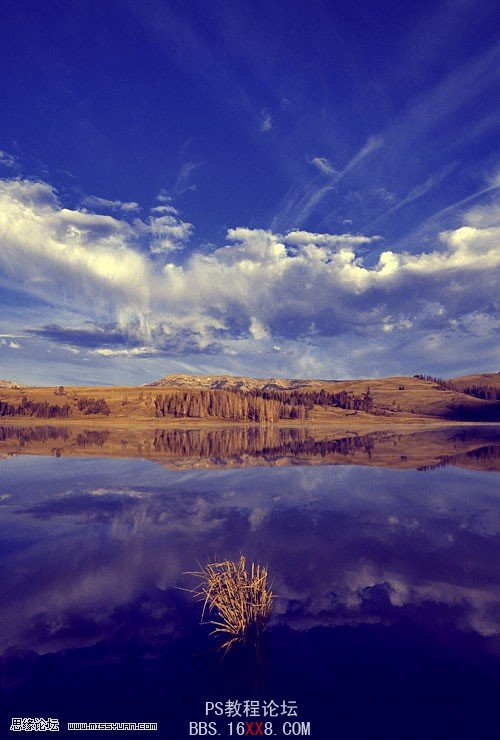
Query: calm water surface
{"points": [[387, 621]]}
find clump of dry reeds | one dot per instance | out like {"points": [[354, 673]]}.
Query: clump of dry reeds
{"points": [[241, 598]]}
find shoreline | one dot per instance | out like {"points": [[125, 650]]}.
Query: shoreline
{"points": [[420, 422]]}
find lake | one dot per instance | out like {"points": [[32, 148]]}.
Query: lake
{"points": [[383, 550]]}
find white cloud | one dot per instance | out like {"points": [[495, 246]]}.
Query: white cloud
{"points": [[183, 182], [257, 329], [8, 160], [302, 199], [182, 185], [271, 286], [418, 191], [93, 201], [162, 210], [163, 197], [478, 323], [327, 240], [122, 492], [168, 232], [372, 144], [485, 217], [134, 352], [323, 165], [83, 256], [11, 344], [266, 121]]}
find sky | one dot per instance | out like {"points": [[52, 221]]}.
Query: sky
{"points": [[271, 189]]}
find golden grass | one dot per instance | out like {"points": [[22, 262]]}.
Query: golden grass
{"points": [[419, 402], [240, 597]]}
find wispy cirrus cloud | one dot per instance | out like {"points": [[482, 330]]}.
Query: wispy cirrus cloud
{"points": [[94, 202], [124, 352], [8, 160], [266, 121], [463, 209], [302, 199], [323, 165], [419, 191], [184, 178]]}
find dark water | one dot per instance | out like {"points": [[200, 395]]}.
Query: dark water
{"points": [[386, 625]]}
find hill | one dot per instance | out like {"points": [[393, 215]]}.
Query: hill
{"points": [[231, 383], [8, 384], [478, 379], [480, 385], [244, 383], [223, 398]]}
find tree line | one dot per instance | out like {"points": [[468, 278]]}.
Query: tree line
{"points": [[486, 392], [36, 409], [343, 399], [46, 410], [231, 405], [257, 406]]}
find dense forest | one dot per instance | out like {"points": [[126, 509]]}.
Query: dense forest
{"points": [[257, 406], [232, 405]]}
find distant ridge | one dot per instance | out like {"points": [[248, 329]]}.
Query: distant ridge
{"points": [[230, 382], [244, 383], [8, 384]]}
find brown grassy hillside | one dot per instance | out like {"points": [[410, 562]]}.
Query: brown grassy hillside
{"points": [[223, 398], [488, 379]]}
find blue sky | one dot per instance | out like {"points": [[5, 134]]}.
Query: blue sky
{"points": [[256, 188]]}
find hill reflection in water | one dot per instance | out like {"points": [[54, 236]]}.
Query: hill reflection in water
{"points": [[475, 447]]}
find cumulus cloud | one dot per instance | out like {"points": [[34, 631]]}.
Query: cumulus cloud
{"points": [[257, 329], [65, 255], [168, 231], [259, 285], [327, 240], [11, 344]]}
